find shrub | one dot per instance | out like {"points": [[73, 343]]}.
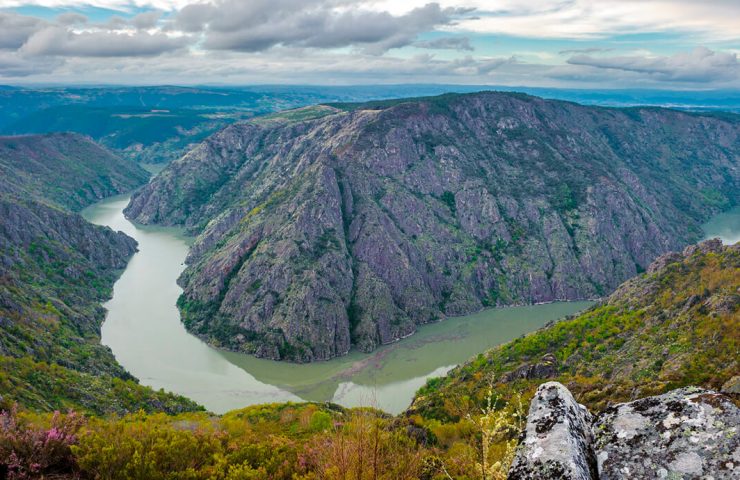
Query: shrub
{"points": [[29, 450], [364, 447], [151, 447]]}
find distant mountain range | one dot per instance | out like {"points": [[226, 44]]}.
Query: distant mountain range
{"points": [[160, 123]]}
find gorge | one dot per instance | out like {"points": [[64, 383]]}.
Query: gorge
{"points": [[144, 330], [348, 225]]}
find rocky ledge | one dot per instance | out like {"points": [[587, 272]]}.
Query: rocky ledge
{"points": [[688, 433]]}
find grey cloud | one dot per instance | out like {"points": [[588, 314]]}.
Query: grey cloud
{"points": [[574, 51], [115, 23], [16, 29], [60, 41], [473, 66], [700, 65], [261, 24], [446, 43], [71, 19], [146, 20], [13, 64]]}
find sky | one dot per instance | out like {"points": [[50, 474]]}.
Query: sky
{"points": [[665, 44]]}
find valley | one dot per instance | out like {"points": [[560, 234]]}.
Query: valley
{"points": [[144, 331], [369, 240]]}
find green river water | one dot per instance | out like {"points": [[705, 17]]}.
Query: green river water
{"points": [[144, 331]]}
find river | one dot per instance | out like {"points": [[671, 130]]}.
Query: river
{"points": [[144, 331]]}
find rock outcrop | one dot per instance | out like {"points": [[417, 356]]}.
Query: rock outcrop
{"points": [[353, 228], [689, 433], [557, 442], [547, 367]]}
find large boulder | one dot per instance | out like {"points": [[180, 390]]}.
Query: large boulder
{"points": [[689, 433], [557, 442]]}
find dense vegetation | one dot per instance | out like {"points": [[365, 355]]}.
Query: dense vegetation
{"points": [[65, 169], [55, 270], [278, 441], [675, 325]]}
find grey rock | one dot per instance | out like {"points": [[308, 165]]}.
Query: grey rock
{"points": [[557, 443], [689, 433], [547, 367], [732, 385]]}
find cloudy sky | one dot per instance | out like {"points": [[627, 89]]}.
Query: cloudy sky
{"points": [[686, 44]]}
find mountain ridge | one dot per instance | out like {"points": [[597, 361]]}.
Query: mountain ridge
{"points": [[363, 224]]}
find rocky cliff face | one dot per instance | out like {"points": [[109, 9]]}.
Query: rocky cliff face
{"points": [[354, 228], [56, 269], [689, 433]]}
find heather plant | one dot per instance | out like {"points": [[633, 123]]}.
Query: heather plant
{"points": [[30, 449]]}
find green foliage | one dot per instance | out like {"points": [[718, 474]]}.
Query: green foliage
{"points": [[47, 387], [715, 198], [564, 198], [449, 199], [65, 169], [677, 327]]}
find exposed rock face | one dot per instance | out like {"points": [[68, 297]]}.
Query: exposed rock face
{"points": [[557, 441], [689, 433], [356, 227]]}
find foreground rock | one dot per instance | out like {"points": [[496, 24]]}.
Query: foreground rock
{"points": [[558, 440], [689, 433]]}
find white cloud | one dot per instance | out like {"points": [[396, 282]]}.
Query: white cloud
{"points": [[363, 41], [592, 19]]}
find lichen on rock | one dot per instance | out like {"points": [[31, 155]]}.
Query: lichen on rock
{"points": [[557, 440], [689, 433]]}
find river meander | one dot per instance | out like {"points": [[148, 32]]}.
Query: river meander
{"points": [[144, 331]]}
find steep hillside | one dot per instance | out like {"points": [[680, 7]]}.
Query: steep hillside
{"points": [[64, 168], [676, 325], [55, 270], [354, 227]]}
